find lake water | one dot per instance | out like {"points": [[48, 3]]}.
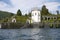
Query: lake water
{"points": [[30, 34]]}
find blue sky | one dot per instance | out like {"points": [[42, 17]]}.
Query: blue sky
{"points": [[6, 1], [26, 5]]}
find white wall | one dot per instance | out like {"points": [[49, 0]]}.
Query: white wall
{"points": [[36, 16], [13, 20]]}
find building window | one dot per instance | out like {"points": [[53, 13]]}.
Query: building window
{"points": [[48, 18], [45, 18], [54, 18]]}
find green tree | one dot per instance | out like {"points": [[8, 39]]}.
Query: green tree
{"points": [[44, 10], [57, 12], [29, 14], [19, 13], [26, 15]]}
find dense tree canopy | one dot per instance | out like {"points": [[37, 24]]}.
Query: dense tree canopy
{"points": [[57, 12], [29, 14], [44, 10], [19, 13], [26, 15]]}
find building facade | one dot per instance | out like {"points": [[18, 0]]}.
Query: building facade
{"points": [[35, 16]]}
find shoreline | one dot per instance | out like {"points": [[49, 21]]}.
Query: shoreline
{"points": [[27, 25]]}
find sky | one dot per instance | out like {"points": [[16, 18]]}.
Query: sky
{"points": [[26, 5]]}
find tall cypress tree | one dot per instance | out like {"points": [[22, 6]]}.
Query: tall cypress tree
{"points": [[57, 12], [19, 13], [44, 10]]}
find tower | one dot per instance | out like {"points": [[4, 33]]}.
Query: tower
{"points": [[35, 16]]}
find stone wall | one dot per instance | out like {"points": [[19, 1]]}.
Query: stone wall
{"points": [[27, 25]]}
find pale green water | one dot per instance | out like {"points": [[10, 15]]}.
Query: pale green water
{"points": [[29, 34]]}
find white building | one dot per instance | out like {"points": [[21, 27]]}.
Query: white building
{"points": [[35, 16], [13, 20]]}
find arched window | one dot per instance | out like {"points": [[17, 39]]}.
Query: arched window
{"points": [[45, 18], [48, 18]]}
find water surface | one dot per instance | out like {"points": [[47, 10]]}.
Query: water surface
{"points": [[30, 34]]}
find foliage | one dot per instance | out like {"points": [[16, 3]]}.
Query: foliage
{"points": [[19, 13], [57, 12], [21, 19], [26, 15], [4, 15], [44, 10], [29, 14]]}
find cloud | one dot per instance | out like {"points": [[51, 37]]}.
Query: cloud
{"points": [[26, 5], [5, 1], [6, 7], [2, 5], [52, 6]]}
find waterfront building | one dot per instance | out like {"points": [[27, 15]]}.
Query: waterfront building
{"points": [[36, 16], [13, 20]]}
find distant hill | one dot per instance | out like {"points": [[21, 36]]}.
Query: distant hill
{"points": [[4, 15]]}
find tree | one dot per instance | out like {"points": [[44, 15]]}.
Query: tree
{"points": [[29, 14], [19, 13], [26, 15], [44, 10], [57, 12]]}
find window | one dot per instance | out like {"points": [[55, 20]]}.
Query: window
{"points": [[45, 18], [48, 18], [54, 18]]}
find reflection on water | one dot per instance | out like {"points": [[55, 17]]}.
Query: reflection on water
{"points": [[30, 34]]}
